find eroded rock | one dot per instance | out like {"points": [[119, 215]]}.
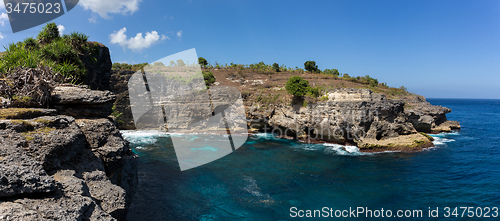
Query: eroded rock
{"points": [[81, 102], [51, 169]]}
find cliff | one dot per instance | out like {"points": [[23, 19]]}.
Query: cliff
{"points": [[68, 162], [355, 116], [74, 166], [344, 115]]}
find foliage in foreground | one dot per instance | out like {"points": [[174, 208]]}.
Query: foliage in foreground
{"points": [[62, 54]]}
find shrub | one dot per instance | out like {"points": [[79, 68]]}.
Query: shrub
{"points": [[297, 86], [181, 63], [276, 67], [158, 64], [311, 66], [30, 43], [313, 91], [62, 54], [333, 72], [209, 78], [202, 61], [49, 33]]}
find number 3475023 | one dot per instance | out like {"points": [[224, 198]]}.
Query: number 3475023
{"points": [[46, 8]]}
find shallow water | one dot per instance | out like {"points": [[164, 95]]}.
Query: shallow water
{"points": [[264, 178]]}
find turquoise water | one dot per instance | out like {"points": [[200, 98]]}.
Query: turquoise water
{"points": [[265, 178]]}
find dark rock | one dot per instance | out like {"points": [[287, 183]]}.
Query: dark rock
{"points": [[81, 102], [111, 198], [426, 117], [53, 146], [50, 169], [120, 163], [99, 71], [19, 174]]}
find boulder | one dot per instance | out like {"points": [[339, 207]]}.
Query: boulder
{"points": [[81, 102], [51, 169]]}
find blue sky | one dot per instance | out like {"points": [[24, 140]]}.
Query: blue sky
{"points": [[439, 49]]}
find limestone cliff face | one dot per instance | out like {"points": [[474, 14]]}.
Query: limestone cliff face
{"points": [[358, 116], [62, 167], [428, 118], [353, 116]]}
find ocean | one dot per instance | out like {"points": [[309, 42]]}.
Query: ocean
{"points": [[279, 179]]}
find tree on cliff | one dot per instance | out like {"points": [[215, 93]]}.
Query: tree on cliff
{"points": [[297, 86], [311, 66], [202, 61], [276, 67]]}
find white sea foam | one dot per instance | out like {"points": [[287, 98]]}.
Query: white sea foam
{"points": [[443, 138], [343, 150], [141, 138]]}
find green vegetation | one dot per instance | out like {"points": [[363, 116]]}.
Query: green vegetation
{"points": [[313, 91], [25, 123], [203, 62], [333, 72], [44, 121], [17, 113], [427, 135], [311, 67], [276, 67], [362, 80], [128, 67], [62, 54], [29, 135], [209, 78], [297, 86], [116, 114]]}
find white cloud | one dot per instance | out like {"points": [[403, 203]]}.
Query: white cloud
{"points": [[164, 37], [138, 42], [3, 18], [93, 19], [1, 36], [103, 7], [179, 34], [61, 29]]}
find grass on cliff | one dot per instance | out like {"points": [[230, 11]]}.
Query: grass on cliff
{"points": [[17, 113], [61, 53]]}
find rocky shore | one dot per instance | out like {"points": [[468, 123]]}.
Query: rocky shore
{"points": [[70, 162], [67, 163], [358, 117]]}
